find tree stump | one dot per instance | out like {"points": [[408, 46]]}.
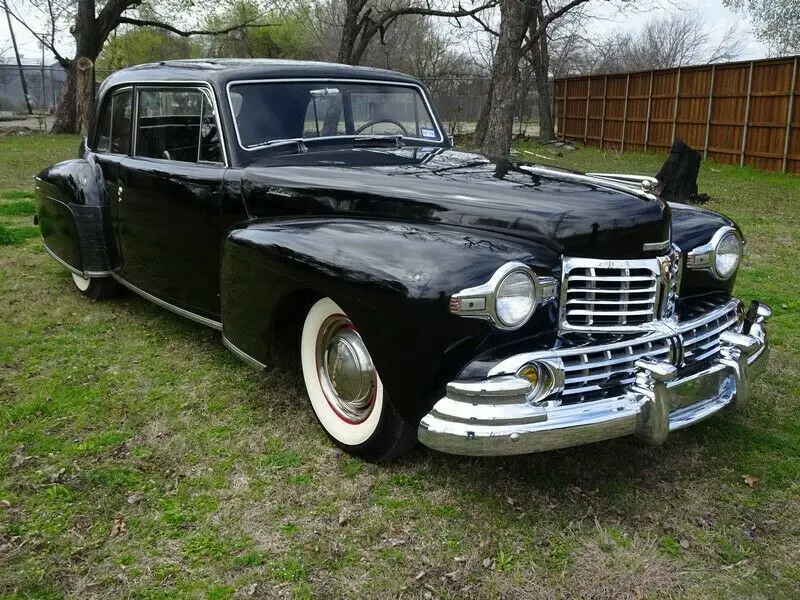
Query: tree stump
{"points": [[85, 94]]}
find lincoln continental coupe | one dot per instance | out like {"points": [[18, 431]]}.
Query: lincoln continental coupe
{"points": [[317, 214]]}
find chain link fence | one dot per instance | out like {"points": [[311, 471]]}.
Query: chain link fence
{"points": [[458, 98]]}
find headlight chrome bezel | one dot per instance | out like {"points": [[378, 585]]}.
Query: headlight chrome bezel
{"points": [[480, 302], [704, 258]]}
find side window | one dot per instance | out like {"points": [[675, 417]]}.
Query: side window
{"points": [[177, 124], [121, 110], [103, 140]]}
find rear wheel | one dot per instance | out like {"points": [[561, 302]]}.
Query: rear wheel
{"points": [[96, 288], [345, 389]]}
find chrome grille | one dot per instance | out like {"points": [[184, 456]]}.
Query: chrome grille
{"points": [[701, 342], [609, 295], [601, 371]]}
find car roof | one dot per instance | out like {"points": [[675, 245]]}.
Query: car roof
{"points": [[224, 70]]}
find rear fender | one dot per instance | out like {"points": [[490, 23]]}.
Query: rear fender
{"points": [[73, 216], [393, 280]]}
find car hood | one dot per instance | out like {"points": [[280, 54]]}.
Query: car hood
{"points": [[459, 189]]}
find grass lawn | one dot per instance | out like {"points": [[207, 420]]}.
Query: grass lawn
{"points": [[140, 459]]}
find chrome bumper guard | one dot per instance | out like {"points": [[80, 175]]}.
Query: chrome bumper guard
{"points": [[494, 417]]}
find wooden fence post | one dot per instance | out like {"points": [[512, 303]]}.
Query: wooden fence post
{"points": [[708, 115], [647, 120], [625, 111], [85, 94], [586, 116], [603, 116], [675, 108], [555, 106], [789, 117], [746, 113]]}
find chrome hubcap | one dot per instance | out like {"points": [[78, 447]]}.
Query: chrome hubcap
{"points": [[346, 372]]}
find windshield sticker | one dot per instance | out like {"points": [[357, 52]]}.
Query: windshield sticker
{"points": [[427, 132]]}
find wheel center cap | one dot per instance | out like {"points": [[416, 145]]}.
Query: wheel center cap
{"points": [[349, 368]]}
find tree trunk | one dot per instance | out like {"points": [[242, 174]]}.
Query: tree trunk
{"points": [[66, 113], [350, 30], [85, 94], [540, 59], [515, 17], [483, 120]]}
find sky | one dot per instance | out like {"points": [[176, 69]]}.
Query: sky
{"points": [[715, 13]]}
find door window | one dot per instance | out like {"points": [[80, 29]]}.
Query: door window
{"points": [[177, 124], [121, 122], [114, 126]]}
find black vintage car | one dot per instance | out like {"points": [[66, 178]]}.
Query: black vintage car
{"points": [[318, 213]]}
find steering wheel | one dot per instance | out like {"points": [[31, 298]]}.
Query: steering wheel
{"points": [[376, 121]]}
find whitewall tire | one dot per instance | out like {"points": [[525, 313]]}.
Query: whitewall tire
{"points": [[96, 288], [345, 390]]}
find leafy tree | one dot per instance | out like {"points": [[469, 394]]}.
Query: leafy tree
{"points": [[271, 34], [143, 45], [777, 22]]}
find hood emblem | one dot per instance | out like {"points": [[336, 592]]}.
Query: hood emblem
{"points": [[656, 246]]}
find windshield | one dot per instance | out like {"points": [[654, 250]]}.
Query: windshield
{"points": [[267, 112]]}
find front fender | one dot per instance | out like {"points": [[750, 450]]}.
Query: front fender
{"points": [[693, 226], [393, 280], [73, 215]]}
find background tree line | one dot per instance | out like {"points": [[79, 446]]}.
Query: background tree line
{"points": [[506, 50]]}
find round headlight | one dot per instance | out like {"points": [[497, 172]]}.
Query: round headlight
{"points": [[727, 255], [515, 299]]}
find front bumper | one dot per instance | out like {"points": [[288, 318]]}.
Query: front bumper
{"points": [[494, 417]]}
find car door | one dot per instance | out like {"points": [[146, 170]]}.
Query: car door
{"points": [[169, 210], [112, 143]]}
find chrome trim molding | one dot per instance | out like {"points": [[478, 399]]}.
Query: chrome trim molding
{"points": [[590, 179], [75, 270], [494, 417], [703, 258], [168, 84], [419, 88], [640, 183], [171, 307], [479, 302], [242, 355]]}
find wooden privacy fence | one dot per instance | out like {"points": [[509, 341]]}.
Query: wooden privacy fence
{"points": [[740, 113]]}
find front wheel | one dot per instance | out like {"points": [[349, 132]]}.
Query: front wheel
{"points": [[345, 389], [96, 288]]}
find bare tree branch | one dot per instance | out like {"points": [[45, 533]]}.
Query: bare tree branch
{"points": [[190, 32]]}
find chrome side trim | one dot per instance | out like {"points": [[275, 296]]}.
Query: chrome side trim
{"points": [[171, 307], [421, 91], [242, 355], [63, 263], [643, 183]]}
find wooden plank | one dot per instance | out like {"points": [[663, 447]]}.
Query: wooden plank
{"points": [[708, 115], [746, 114], [603, 116], [675, 109], [649, 106], [586, 116], [625, 111], [789, 116]]}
